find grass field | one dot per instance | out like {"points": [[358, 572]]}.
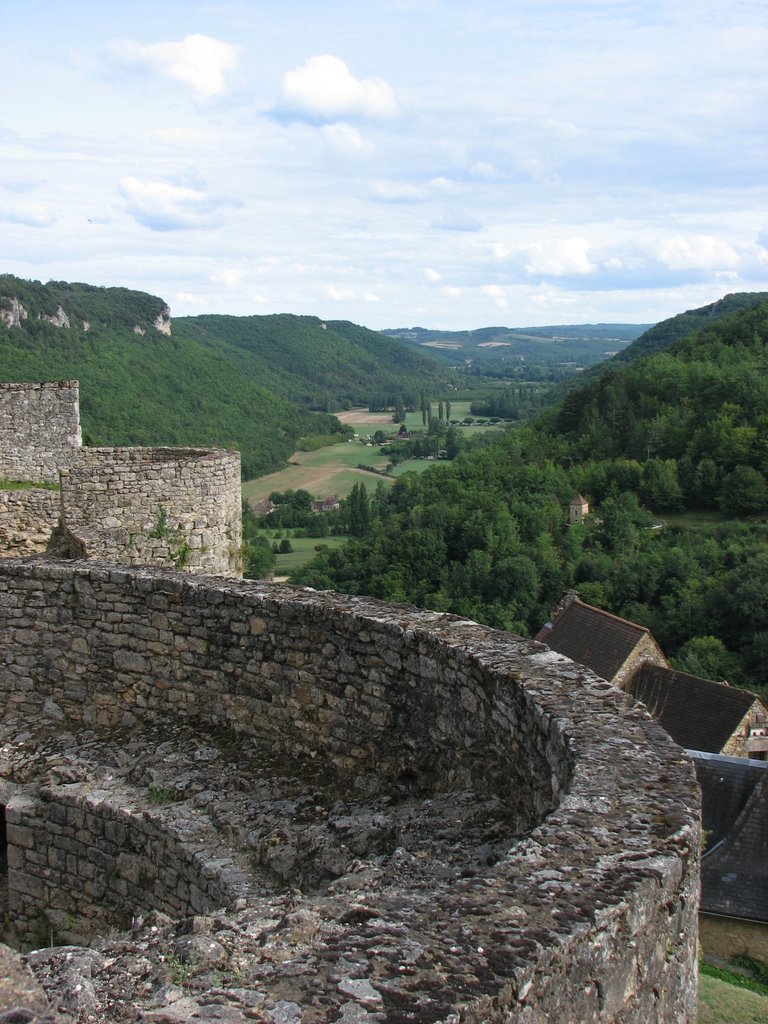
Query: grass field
{"points": [[721, 1003], [336, 469], [327, 471], [303, 551]]}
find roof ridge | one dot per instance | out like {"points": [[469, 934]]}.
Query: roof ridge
{"points": [[609, 615], [733, 690]]}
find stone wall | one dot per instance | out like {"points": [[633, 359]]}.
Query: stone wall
{"points": [[155, 506], [39, 429], [28, 517], [737, 744], [726, 937], [647, 652], [85, 859], [579, 899]]}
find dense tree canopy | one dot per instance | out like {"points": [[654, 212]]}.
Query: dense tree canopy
{"points": [[486, 535]]}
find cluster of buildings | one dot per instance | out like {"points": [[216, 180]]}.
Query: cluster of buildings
{"points": [[724, 730]]}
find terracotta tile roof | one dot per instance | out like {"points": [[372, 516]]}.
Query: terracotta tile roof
{"points": [[593, 637], [699, 714], [734, 867]]}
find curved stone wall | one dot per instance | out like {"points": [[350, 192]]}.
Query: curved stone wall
{"points": [[154, 506], [85, 859], [518, 842]]}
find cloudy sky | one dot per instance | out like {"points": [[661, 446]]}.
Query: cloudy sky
{"points": [[414, 162]]}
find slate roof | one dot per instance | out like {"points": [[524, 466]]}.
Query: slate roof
{"points": [[699, 714], [592, 637], [734, 867]]}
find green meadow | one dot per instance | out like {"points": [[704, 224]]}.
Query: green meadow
{"points": [[337, 468]]}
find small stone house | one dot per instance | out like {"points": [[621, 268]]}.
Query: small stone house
{"points": [[612, 647], [733, 914], [700, 714], [578, 509]]}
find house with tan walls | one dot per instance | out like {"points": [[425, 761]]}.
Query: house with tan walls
{"points": [[612, 647], [701, 714]]}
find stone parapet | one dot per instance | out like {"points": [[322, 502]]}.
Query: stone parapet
{"points": [[499, 835]]}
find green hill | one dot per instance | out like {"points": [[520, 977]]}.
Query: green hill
{"points": [[320, 364], [255, 383], [662, 335], [701, 401], [683, 429]]}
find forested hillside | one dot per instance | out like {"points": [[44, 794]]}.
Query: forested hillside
{"points": [[693, 419], [320, 364], [486, 535], [662, 335], [255, 383]]}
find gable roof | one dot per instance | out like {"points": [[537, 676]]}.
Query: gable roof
{"points": [[734, 867], [699, 714], [593, 637]]}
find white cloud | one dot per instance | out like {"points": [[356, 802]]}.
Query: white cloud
{"points": [[177, 137], [457, 220], [163, 207], [32, 215], [350, 295], [493, 291], [485, 170], [563, 146], [557, 257], [230, 277], [190, 299], [397, 192], [444, 185], [325, 88], [432, 275], [339, 294], [346, 139], [697, 252], [198, 61]]}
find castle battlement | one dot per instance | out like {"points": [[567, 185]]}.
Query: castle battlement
{"points": [[166, 506], [349, 810]]}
